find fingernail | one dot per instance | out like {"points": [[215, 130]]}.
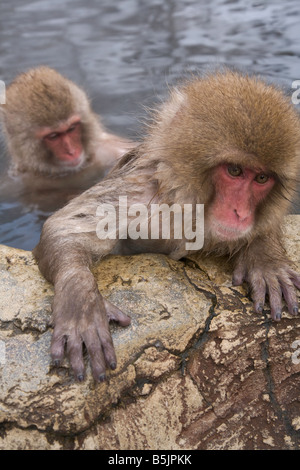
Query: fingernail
{"points": [[80, 378], [236, 281], [113, 366], [295, 311], [102, 378], [57, 362], [259, 308], [277, 316]]}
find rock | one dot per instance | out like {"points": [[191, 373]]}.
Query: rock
{"points": [[197, 369]]}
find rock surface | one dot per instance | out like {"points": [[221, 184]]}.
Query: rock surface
{"points": [[197, 369]]}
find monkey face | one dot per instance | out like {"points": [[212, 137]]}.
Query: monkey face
{"points": [[64, 142], [238, 192]]}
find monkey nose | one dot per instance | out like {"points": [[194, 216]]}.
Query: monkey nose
{"points": [[68, 148], [242, 214], [70, 151], [68, 145]]}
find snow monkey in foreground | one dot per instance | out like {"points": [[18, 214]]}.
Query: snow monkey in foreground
{"points": [[228, 141]]}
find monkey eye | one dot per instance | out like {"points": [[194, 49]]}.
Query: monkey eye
{"points": [[52, 136], [73, 127], [234, 170], [262, 178]]}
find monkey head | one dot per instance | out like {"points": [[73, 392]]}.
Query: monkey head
{"points": [[48, 123], [233, 143]]}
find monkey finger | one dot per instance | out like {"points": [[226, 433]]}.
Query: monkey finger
{"points": [[75, 355], [258, 291], [57, 347], [94, 349], [114, 313], [275, 299], [239, 275], [107, 347], [290, 296]]}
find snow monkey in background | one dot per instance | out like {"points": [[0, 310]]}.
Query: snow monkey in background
{"points": [[228, 141], [54, 138]]}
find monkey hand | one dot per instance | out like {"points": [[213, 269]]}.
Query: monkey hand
{"points": [[276, 279], [81, 315]]}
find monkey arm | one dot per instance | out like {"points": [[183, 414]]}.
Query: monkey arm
{"points": [[265, 267], [80, 314], [67, 249]]}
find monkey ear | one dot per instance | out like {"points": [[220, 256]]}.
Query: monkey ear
{"points": [[170, 112], [179, 99]]}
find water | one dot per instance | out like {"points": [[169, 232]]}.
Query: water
{"points": [[125, 54]]}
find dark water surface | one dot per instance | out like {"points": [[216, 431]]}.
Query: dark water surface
{"points": [[126, 52]]}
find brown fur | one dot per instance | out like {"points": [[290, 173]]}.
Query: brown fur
{"points": [[221, 118], [40, 98]]}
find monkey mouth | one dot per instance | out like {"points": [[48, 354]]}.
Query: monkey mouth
{"points": [[74, 163], [227, 233]]}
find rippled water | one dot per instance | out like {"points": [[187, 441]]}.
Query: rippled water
{"points": [[125, 53]]}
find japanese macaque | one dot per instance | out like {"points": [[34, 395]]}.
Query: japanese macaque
{"points": [[54, 138], [228, 141]]}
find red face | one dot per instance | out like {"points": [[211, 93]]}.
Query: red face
{"points": [[238, 191], [64, 141]]}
